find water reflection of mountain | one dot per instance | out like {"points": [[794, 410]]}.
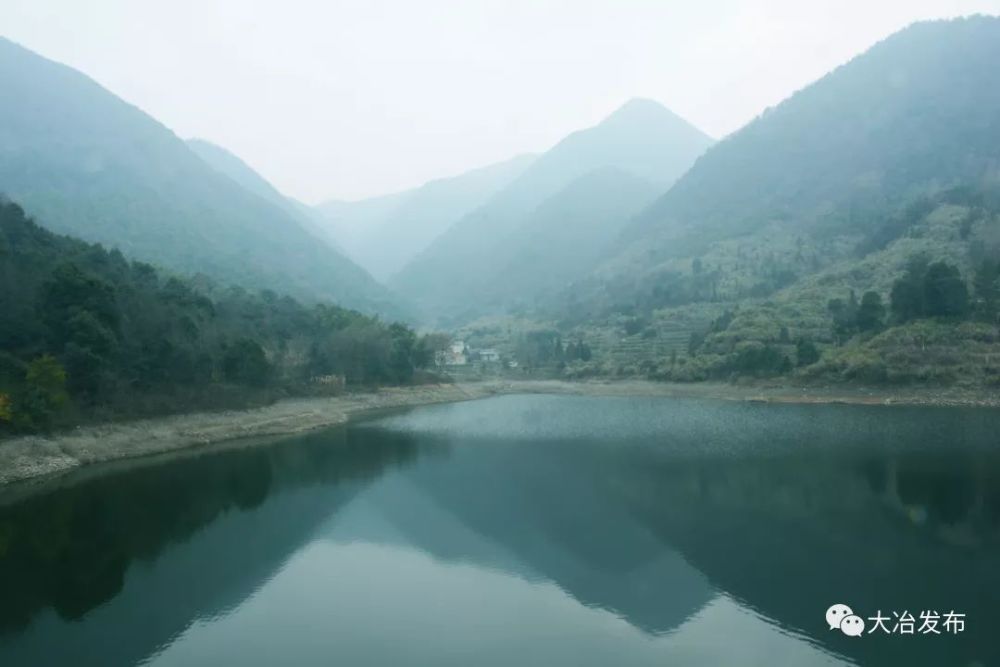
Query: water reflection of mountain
{"points": [[883, 509], [648, 509], [496, 507], [108, 571], [790, 538]]}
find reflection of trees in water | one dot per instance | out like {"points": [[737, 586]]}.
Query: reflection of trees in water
{"points": [[788, 536], [960, 495], [70, 549]]}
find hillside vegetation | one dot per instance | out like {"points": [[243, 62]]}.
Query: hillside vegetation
{"points": [[86, 334], [824, 177], [818, 242]]}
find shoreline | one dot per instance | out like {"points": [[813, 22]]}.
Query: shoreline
{"points": [[43, 457]]}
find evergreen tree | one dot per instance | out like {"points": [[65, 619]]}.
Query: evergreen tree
{"points": [[871, 312], [945, 292], [987, 290], [906, 300], [806, 352]]}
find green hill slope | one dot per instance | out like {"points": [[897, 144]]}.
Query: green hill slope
{"points": [[823, 176], [86, 334], [92, 165], [852, 233]]}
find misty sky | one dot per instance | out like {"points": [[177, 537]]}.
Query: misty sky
{"points": [[347, 99]]}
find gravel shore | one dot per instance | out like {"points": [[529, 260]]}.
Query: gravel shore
{"points": [[45, 456], [37, 456]]}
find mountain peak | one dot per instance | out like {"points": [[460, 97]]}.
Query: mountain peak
{"points": [[641, 114], [640, 105], [640, 110]]}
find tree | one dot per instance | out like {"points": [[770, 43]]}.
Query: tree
{"points": [[758, 359], [906, 300], [871, 312], [44, 394], [84, 370], [945, 292], [987, 290], [845, 315], [70, 290], [111, 324], [634, 325], [806, 352], [403, 344], [244, 362]]}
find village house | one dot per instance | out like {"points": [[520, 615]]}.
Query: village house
{"points": [[455, 355]]}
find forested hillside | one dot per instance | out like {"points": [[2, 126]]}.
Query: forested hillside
{"points": [[86, 334], [91, 165], [822, 177], [851, 233]]}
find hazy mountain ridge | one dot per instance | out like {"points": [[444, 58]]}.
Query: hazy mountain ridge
{"points": [[642, 138], [786, 244], [232, 166], [384, 233], [87, 163], [917, 113], [563, 236]]}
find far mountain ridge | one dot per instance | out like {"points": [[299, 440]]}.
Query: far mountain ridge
{"points": [[641, 138], [232, 166], [84, 162], [384, 233]]}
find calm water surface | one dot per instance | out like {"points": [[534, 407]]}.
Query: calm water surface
{"points": [[524, 530]]}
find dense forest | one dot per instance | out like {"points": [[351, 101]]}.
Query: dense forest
{"points": [[87, 334]]}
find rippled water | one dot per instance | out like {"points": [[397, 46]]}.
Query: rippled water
{"points": [[523, 530]]}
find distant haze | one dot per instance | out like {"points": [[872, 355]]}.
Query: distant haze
{"points": [[356, 98]]}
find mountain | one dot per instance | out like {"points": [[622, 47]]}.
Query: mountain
{"points": [[565, 234], [384, 233], [827, 170], [86, 163], [852, 233], [233, 167], [642, 138]]}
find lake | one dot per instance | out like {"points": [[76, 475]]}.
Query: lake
{"points": [[526, 530]]}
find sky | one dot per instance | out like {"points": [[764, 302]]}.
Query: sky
{"points": [[346, 99]]}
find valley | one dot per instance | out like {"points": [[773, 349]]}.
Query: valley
{"points": [[546, 333], [849, 236]]}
